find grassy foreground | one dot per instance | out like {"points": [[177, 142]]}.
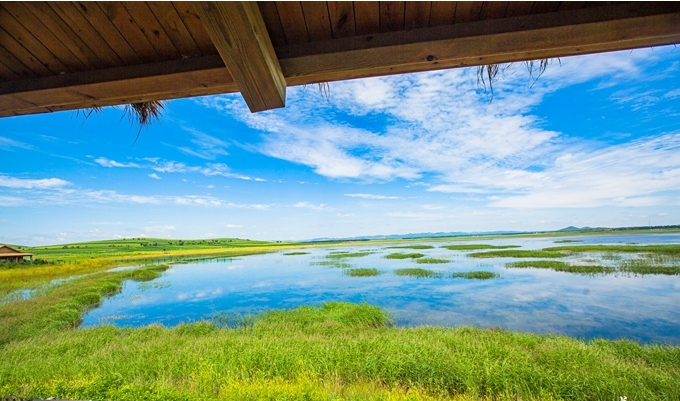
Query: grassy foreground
{"points": [[335, 351]]}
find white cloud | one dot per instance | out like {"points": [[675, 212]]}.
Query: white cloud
{"points": [[44, 183], [371, 196], [439, 126], [104, 162], [234, 226], [108, 196], [154, 176], [209, 170], [311, 206], [638, 173]]}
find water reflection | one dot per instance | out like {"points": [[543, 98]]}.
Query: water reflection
{"points": [[536, 300]]}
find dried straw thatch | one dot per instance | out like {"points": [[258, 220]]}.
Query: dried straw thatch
{"points": [[143, 113]]}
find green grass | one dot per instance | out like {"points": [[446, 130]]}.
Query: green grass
{"points": [[411, 247], [333, 351], [62, 306], [295, 253], [362, 272], [404, 256], [473, 247], [417, 272], [476, 275], [431, 261], [517, 253], [566, 241], [342, 255]]}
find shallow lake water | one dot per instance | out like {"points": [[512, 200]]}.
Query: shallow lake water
{"points": [[642, 308]]}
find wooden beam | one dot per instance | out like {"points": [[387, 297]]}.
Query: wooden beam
{"points": [[559, 34], [240, 36], [592, 30], [121, 85]]}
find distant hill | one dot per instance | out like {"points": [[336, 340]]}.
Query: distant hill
{"points": [[570, 228], [485, 233]]}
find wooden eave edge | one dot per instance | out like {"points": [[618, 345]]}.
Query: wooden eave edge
{"points": [[597, 29]]}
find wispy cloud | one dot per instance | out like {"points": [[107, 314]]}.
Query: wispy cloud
{"points": [[104, 162], [12, 201], [11, 144], [43, 183], [372, 196], [170, 166], [639, 173], [205, 146], [234, 226]]}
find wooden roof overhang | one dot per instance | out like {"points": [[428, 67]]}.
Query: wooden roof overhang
{"points": [[71, 55], [9, 252]]}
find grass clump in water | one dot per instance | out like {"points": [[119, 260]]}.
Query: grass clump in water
{"points": [[342, 255], [431, 261], [332, 263], [362, 272], [417, 272], [404, 255], [475, 275], [473, 247], [411, 247], [517, 253], [643, 267], [295, 253], [566, 241], [562, 267]]}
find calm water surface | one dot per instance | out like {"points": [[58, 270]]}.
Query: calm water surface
{"points": [[645, 308]]}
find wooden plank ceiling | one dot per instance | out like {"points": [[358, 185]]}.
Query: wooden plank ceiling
{"points": [[70, 55]]}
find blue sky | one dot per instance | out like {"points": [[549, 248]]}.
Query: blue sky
{"points": [[594, 142]]}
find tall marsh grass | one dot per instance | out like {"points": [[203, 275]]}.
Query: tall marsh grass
{"points": [[333, 351], [417, 272], [476, 275], [400, 255], [362, 272], [431, 260]]}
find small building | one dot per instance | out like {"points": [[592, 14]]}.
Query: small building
{"points": [[9, 254]]}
